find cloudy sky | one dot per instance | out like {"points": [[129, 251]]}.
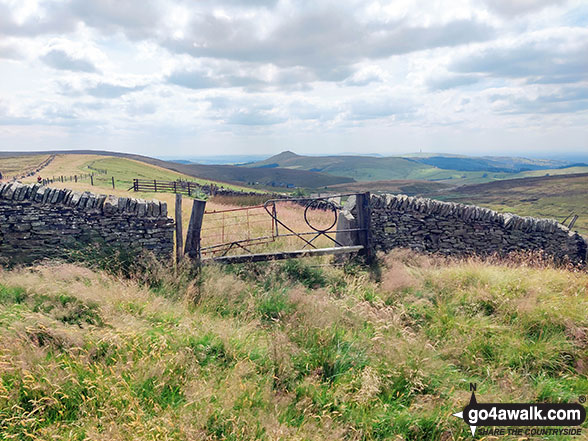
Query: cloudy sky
{"points": [[187, 77]]}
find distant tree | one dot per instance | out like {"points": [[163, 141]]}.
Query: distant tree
{"points": [[299, 193]]}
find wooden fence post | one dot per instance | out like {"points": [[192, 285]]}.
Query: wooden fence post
{"points": [[179, 235], [155, 185], [92, 179], [136, 184], [364, 223], [113, 182], [193, 240]]}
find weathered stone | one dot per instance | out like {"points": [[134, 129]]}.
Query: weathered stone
{"points": [[38, 222], [456, 229]]}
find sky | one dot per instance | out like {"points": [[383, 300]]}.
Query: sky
{"points": [[214, 77]]}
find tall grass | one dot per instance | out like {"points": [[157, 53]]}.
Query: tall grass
{"points": [[284, 350]]}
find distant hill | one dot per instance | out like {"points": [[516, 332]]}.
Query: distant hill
{"points": [[409, 167], [403, 186], [361, 168], [490, 164], [267, 177], [544, 196]]}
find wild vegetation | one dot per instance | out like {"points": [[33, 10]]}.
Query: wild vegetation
{"points": [[298, 350], [284, 351], [554, 196], [16, 166], [550, 197], [449, 169]]}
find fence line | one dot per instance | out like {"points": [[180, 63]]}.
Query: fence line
{"points": [[71, 178], [179, 187]]}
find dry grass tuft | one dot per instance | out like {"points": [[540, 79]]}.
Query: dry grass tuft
{"points": [[284, 351]]}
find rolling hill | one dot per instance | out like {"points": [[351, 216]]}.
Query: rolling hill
{"points": [[546, 196], [454, 169], [554, 196], [260, 177], [361, 168], [490, 164]]}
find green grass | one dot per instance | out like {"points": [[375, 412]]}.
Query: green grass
{"points": [[285, 351], [125, 170]]}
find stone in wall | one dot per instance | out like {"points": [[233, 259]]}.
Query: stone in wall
{"points": [[39, 222], [457, 229]]}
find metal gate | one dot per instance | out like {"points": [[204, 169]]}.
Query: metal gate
{"points": [[313, 226]]}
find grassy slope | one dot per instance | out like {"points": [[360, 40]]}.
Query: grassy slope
{"points": [[285, 351], [551, 197], [409, 187], [220, 173], [124, 171], [262, 176], [12, 166], [363, 168]]}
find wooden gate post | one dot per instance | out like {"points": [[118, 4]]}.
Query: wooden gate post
{"points": [[193, 240], [179, 235], [364, 223]]}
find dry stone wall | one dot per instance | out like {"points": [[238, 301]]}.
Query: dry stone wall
{"points": [[457, 229], [39, 222]]}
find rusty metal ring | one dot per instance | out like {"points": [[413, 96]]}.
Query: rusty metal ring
{"points": [[333, 209]]}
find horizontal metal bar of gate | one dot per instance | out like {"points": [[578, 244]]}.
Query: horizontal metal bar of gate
{"points": [[242, 258]]}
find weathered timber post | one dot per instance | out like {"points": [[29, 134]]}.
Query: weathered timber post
{"points": [[193, 240], [135, 184], [364, 224], [113, 182], [179, 235], [92, 178], [155, 185]]}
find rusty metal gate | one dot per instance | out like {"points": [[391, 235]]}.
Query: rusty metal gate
{"points": [[265, 232]]}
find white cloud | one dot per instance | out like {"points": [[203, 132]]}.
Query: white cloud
{"points": [[245, 74]]}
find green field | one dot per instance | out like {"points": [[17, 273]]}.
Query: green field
{"points": [[125, 170], [288, 351]]}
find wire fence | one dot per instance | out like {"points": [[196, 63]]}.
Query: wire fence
{"points": [[235, 228], [71, 178]]}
